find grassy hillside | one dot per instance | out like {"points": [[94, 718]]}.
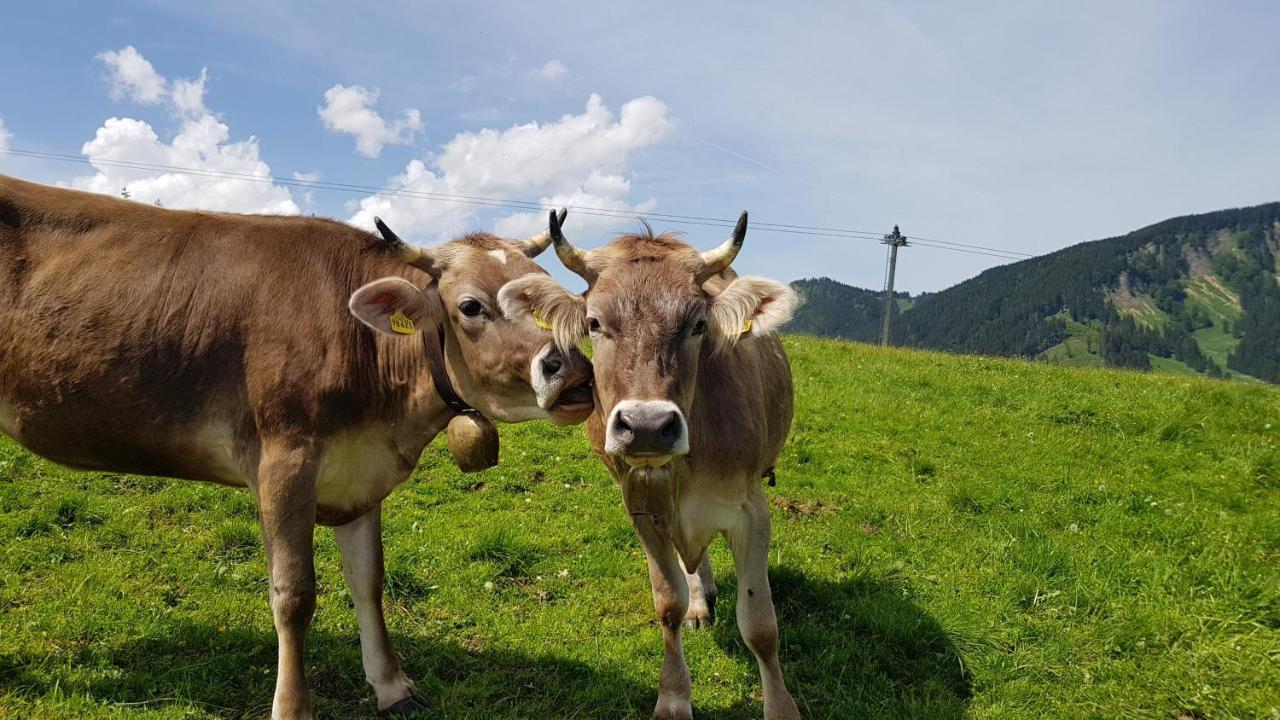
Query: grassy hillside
{"points": [[954, 537], [1198, 294]]}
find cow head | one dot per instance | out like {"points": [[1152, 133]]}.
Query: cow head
{"points": [[506, 368], [655, 309]]}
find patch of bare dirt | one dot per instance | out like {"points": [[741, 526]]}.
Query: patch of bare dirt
{"points": [[1125, 300], [1199, 262], [1226, 292], [1221, 243], [803, 508]]}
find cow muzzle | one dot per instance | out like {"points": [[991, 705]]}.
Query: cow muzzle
{"points": [[562, 384], [646, 433]]}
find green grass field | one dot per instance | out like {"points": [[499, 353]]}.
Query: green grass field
{"points": [[954, 537], [1080, 349]]}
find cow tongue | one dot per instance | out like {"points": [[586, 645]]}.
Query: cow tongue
{"points": [[576, 397]]}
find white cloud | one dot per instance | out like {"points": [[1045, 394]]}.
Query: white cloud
{"points": [[5, 136], [349, 110], [464, 84], [583, 227], [309, 177], [188, 95], [578, 160], [553, 69], [202, 146], [134, 78]]}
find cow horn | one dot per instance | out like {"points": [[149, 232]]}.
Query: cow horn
{"points": [[576, 260], [534, 246], [421, 258], [714, 261]]}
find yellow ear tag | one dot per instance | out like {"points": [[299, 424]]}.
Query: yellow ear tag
{"points": [[540, 320], [401, 323], [746, 326]]}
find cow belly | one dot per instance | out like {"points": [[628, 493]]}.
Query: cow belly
{"points": [[207, 453], [8, 420], [357, 470]]}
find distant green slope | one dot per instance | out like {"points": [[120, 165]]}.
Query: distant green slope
{"points": [[1197, 292], [833, 309]]}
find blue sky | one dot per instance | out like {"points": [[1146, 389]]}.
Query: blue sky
{"points": [[1026, 126]]}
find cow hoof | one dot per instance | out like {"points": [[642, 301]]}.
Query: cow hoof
{"points": [[673, 709], [700, 616], [408, 707], [698, 623]]}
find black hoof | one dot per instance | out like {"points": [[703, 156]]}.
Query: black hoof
{"points": [[408, 707]]}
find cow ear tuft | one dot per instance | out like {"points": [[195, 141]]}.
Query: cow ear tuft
{"points": [[751, 306], [543, 301], [392, 306]]}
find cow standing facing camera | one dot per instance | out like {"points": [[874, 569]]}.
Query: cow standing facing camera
{"points": [[693, 403]]}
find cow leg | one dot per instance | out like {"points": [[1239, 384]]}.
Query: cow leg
{"points": [[749, 543], [287, 511], [702, 596], [670, 600], [360, 543]]}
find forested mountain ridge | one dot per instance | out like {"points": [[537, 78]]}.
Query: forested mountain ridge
{"points": [[833, 309], [1197, 294]]}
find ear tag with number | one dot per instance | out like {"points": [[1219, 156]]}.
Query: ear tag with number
{"points": [[401, 323], [746, 326], [540, 319]]}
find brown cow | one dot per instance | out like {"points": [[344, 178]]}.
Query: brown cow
{"points": [[693, 403], [220, 348]]}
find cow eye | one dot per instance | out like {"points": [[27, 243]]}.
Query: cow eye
{"points": [[700, 327], [470, 307], [593, 325]]}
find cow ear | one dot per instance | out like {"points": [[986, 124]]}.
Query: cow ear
{"points": [[392, 306], [751, 306], [551, 307]]}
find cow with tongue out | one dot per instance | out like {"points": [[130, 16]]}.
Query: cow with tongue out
{"points": [[222, 348]]}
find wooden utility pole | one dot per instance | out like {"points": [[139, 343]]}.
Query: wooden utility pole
{"points": [[894, 241]]}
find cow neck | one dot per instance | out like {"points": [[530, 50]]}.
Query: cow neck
{"points": [[440, 374]]}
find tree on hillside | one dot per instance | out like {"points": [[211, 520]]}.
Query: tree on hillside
{"points": [[1126, 344]]}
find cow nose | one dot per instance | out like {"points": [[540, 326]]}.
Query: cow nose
{"points": [[551, 364], [647, 428]]}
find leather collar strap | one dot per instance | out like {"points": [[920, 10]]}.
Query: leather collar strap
{"points": [[439, 375]]}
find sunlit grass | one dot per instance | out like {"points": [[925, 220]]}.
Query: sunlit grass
{"points": [[953, 536]]}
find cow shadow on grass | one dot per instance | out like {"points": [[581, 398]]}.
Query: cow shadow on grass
{"points": [[210, 672], [852, 649]]}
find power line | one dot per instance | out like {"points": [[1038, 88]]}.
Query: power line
{"points": [[424, 195], [1001, 254], [786, 228], [976, 247]]}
